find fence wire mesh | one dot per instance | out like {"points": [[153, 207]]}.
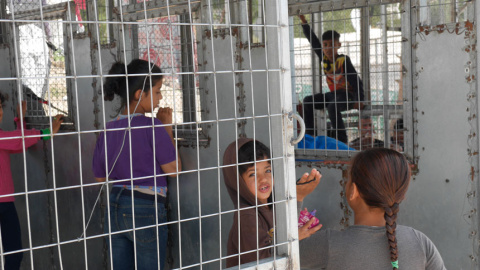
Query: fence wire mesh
{"points": [[374, 55], [60, 53]]}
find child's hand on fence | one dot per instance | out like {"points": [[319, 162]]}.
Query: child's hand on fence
{"points": [[24, 109], [56, 123], [302, 18], [305, 232], [307, 184], [165, 115]]}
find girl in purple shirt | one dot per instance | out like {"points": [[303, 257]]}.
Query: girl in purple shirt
{"points": [[138, 171]]}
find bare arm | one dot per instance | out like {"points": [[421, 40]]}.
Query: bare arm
{"points": [[172, 168]]}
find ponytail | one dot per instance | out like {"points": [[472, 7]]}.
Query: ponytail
{"points": [[113, 85], [391, 226]]}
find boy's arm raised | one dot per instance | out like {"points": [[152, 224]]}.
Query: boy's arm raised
{"points": [[312, 38]]}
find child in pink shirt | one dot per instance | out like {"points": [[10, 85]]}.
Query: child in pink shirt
{"points": [[12, 142]]}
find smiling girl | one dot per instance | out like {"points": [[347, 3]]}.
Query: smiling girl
{"points": [[252, 190]]}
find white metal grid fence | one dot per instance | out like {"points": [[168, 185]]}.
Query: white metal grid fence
{"points": [[64, 225]]}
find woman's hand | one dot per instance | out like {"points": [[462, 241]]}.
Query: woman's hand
{"points": [[302, 18], [165, 115], [56, 123], [305, 232], [24, 109], [304, 188]]}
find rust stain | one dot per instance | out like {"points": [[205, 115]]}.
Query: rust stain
{"points": [[469, 25], [470, 78], [238, 58], [424, 29], [235, 31], [207, 34]]}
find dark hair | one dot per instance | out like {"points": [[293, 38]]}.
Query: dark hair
{"points": [[251, 151], [330, 35], [118, 85], [3, 98], [399, 124], [382, 177]]}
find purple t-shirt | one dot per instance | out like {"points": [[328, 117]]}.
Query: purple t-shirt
{"points": [[142, 157]]}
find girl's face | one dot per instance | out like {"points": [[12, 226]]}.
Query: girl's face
{"points": [[263, 185], [153, 96]]}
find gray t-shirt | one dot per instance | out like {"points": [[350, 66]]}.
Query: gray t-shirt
{"points": [[366, 247]]}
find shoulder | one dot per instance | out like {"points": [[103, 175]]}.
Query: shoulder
{"points": [[418, 234], [412, 237], [417, 242], [145, 121], [344, 56]]}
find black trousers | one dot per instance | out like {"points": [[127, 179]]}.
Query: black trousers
{"points": [[336, 103], [11, 235]]}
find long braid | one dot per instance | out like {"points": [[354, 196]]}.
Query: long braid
{"points": [[391, 226], [382, 177]]}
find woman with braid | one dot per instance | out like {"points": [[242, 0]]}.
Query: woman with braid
{"points": [[377, 183]]}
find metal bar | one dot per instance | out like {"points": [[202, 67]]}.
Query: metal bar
{"points": [[385, 71], [365, 51], [160, 12], [287, 133], [188, 84], [297, 7], [50, 11], [409, 91]]}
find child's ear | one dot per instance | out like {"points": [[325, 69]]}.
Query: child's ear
{"points": [[137, 94], [354, 194]]}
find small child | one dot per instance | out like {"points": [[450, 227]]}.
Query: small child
{"points": [[11, 235], [255, 186], [342, 79], [255, 189]]}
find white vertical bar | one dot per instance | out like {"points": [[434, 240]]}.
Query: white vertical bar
{"points": [[74, 67], [385, 76], [210, 17], [252, 93], [18, 73], [100, 70], [288, 151], [154, 161], [407, 25], [229, 25], [57, 228]]}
